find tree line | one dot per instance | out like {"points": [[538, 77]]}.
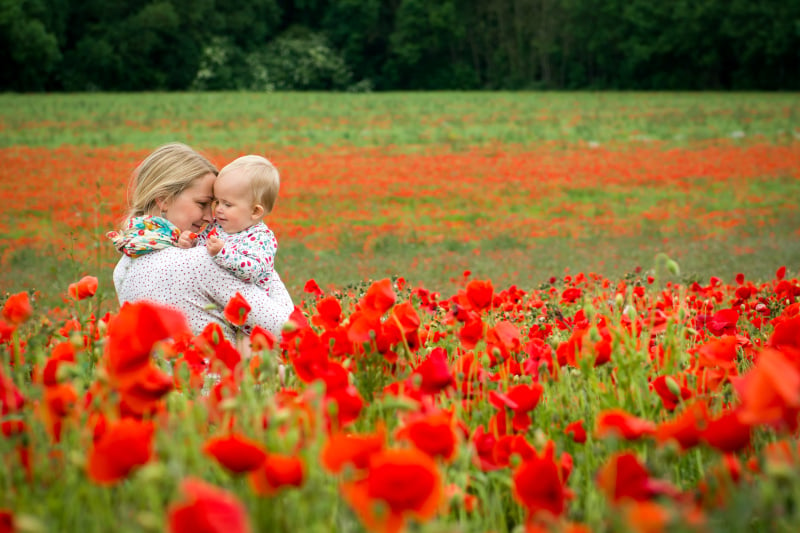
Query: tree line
{"points": [[362, 45]]}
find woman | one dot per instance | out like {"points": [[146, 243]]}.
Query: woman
{"points": [[172, 191]]}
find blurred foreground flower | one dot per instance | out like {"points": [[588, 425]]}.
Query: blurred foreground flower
{"points": [[207, 509], [406, 482]]}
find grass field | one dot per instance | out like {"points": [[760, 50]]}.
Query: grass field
{"points": [[515, 187]]}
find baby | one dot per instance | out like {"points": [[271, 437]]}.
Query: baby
{"points": [[245, 192]]}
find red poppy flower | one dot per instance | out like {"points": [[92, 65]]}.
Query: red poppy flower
{"points": [[505, 337], [479, 294], [380, 298], [647, 517], [236, 453], [786, 334], [329, 313], [623, 424], [363, 327], [623, 477], [207, 509], [276, 473], [526, 397], [311, 287], [349, 448], [433, 434], [719, 352], [11, 401], [406, 483], [538, 486], [296, 324], [685, 428], [577, 430], [227, 354], [6, 330], [484, 443], [471, 333], [123, 446], [508, 445], [237, 310], [723, 322], [132, 334], [261, 339], [670, 392], [84, 288], [406, 317], [770, 391], [540, 357], [17, 308], [6, 521], [727, 433], [143, 395], [570, 295], [63, 352], [435, 372], [60, 399], [346, 403]]}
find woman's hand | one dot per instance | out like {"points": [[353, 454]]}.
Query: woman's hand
{"points": [[186, 240], [214, 244]]}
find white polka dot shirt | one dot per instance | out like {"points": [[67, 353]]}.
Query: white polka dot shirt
{"points": [[189, 280]]}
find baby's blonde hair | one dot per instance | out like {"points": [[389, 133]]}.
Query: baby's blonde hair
{"points": [[164, 174], [265, 181]]}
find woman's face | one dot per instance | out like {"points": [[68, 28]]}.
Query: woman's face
{"points": [[191, 209]]}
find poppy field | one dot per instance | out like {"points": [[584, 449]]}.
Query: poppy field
{"points": [[556, 312]]}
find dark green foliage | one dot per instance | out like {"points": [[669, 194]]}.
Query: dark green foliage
{"points": [[399, 44]]}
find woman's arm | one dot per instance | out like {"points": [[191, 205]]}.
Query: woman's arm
{"points": [[250, 258], [268, 310]]}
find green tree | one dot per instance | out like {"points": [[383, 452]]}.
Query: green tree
{"points": [[28, 50], [427, 47], [359, 29]]}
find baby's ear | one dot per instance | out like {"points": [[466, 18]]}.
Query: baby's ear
{"points": [[258, 211]]}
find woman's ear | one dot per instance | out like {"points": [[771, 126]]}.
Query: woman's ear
{"points": [[258, 212], [162, 203]]}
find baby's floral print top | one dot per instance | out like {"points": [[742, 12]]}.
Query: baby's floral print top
{"points": [[249, 254]]}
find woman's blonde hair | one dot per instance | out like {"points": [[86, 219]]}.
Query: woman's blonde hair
{"points": [[265, 181], [164, 174]]}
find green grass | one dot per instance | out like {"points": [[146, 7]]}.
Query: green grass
{"points": [[407, 120]]}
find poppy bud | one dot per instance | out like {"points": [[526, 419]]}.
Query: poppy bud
{"points": [[619, 299], [672, 386], [673, 267], [28, 524], [228, 404], [148, 521], [151, 472], [76, 339]]}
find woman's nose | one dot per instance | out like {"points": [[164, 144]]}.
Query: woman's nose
{"points": [[207, 214]]}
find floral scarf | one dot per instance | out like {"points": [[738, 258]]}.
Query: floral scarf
{"points": [[145, 234]]}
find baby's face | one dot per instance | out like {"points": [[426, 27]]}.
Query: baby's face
{"points": [[235, 209]]}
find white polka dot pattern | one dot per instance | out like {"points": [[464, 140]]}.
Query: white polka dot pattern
{"points": [[190, 281]]}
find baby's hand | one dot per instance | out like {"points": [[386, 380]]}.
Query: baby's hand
{"points": [[186, 240], [214, 244]]}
